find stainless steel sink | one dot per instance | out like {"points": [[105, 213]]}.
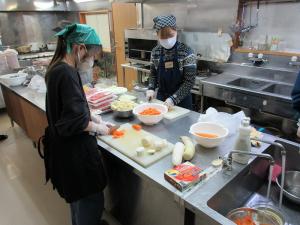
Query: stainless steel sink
{"points": [[248, 83], [280, 89], [250, 186]]}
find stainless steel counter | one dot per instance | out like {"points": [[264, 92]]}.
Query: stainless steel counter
{"points": [[32, 96], [269, 93], [148, 186]]}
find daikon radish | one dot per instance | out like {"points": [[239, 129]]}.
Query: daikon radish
{"points": [[160, 144], [147, 142], [177, 153], [189, 148], [151, 151]]}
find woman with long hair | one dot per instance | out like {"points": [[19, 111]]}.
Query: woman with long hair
{"points": [[72, 158]]}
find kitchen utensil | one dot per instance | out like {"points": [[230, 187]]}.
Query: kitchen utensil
{"points": [[150, 119], [123, 108], [257, 216], [291, 185], [14, 79], [114, 128], [123, 114], [271, 211], [209, 128], [24, 49], [132, 140], [174, 113]]}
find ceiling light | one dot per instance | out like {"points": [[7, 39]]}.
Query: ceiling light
{"points": [[43, 5], [12, 7]]}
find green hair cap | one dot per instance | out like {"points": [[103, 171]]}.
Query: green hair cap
{"points": [[79, 34]]}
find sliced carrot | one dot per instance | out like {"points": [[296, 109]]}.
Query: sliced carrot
{"points": [[118, 133], [150, 112], [137, 127], [246, 220], [207, 135]]}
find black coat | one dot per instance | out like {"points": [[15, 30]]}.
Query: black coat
{"points": [[72, 159]]}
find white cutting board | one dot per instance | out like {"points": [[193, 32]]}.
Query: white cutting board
{"points": [[131, 141], [175, 112]]}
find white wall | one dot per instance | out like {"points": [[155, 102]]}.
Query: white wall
{"points": [[280, 20]]}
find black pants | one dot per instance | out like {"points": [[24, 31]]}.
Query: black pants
{"points": [[88, 211]]}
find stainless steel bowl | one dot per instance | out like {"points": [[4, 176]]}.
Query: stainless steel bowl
{"points": [[257, 216], [123, 114], [291, 185]]}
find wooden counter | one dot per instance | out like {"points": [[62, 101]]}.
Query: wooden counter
{"points": [[28, 116]]}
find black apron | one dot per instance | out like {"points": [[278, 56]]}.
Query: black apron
{"points": [[170, 80]]}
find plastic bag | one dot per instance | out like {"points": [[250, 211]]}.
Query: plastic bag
{"points": [[38, 83], [230, 121]]}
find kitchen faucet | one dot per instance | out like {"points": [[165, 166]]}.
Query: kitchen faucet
{"points": [[228, 163]]}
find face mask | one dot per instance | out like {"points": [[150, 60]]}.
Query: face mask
{"points": [[168, 43], [78, 56], [85, 70], [87, 64]]}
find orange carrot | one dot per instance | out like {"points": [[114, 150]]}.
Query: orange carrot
{"points": [[150, 112], [137, 127], [118, 133], [207, 135], [246, 220]]}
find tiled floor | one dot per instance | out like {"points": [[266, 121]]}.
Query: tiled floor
{"points": [[24, 199]]}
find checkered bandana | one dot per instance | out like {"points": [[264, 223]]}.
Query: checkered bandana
{"points": [[164, 21]]}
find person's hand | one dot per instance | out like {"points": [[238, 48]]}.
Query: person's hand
{"points": [[96, 118], [169, 103], [109, 124], [100, 128], [149, 95]]}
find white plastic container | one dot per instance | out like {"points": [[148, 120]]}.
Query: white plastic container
{"points": [[210, 128], [243, 142]]}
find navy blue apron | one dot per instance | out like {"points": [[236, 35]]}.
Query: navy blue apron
{"points": [[170, 80]]}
